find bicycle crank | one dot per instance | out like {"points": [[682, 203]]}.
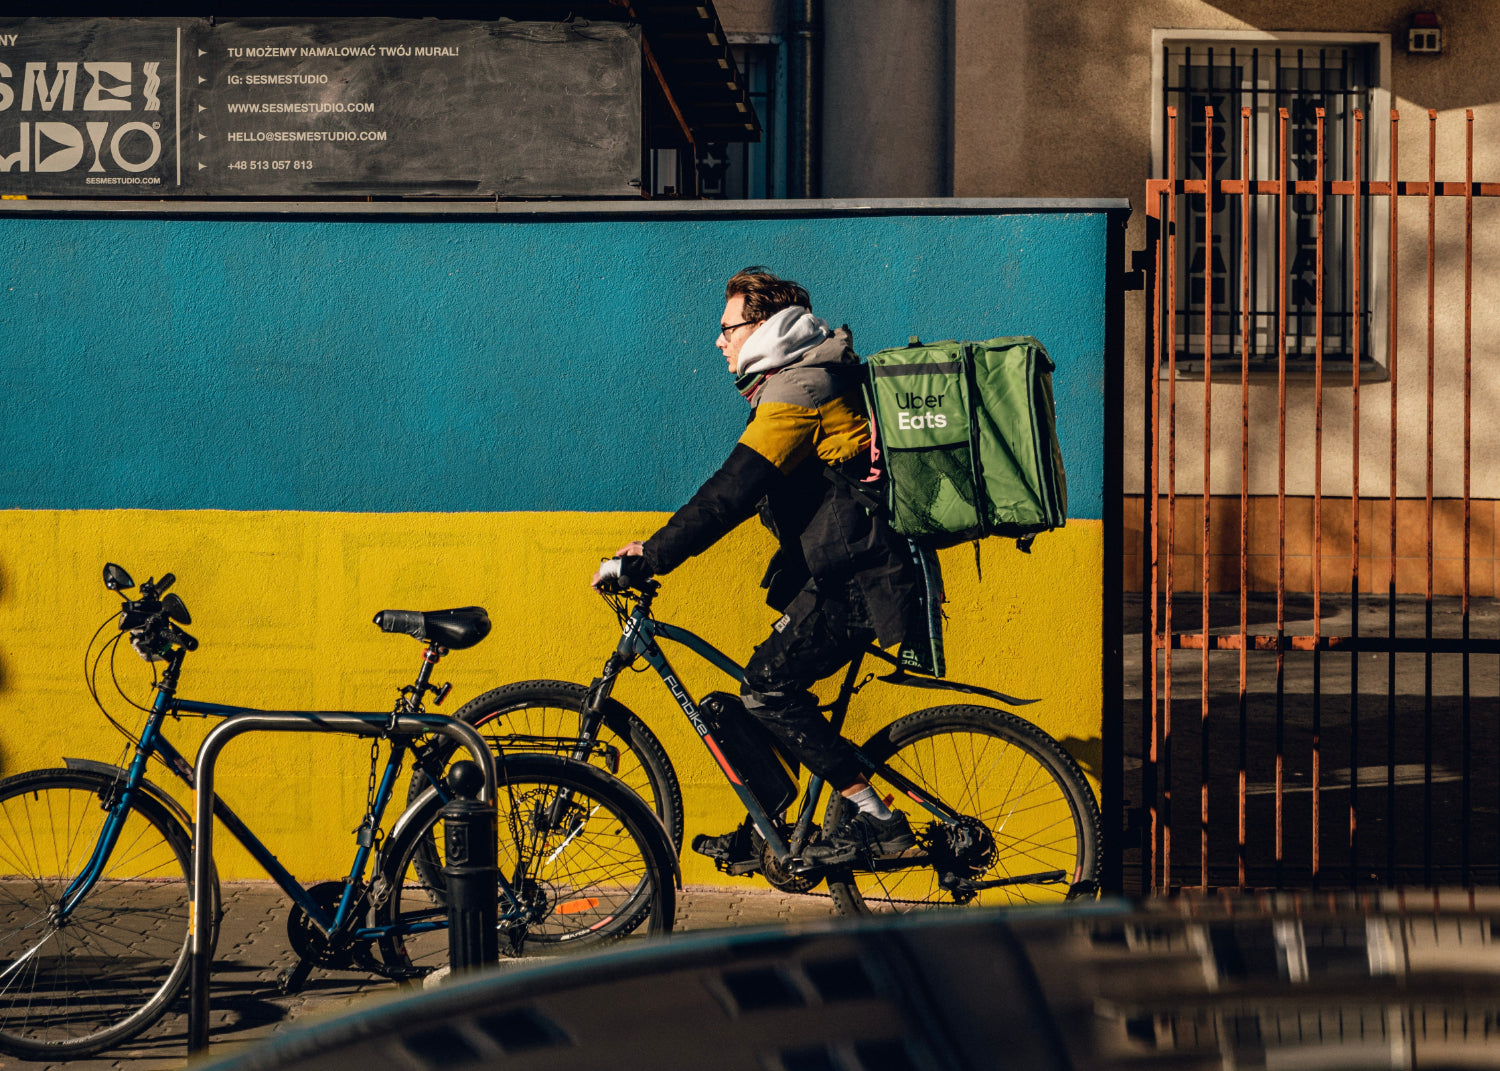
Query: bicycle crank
{"points": [[312, 945], [784, 877]]}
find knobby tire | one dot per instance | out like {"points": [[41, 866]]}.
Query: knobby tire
{"points": [[544, 717]]}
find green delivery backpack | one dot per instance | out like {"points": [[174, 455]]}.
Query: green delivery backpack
{"points": [[967, 435]]}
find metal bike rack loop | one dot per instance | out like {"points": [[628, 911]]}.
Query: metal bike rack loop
{"points": [[356, 724]]}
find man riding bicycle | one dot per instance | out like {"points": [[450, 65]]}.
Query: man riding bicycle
{"points": [[841, 577]]}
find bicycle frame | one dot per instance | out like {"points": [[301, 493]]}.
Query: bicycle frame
{"points": [[154, 743], [638, 640]]}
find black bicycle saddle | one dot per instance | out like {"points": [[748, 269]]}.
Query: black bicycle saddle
{"points": [[453, 629]]}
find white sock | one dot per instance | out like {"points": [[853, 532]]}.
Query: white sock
{"points": [[870, 803]]}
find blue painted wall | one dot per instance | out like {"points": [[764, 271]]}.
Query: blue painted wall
{"points": [[473, 366]]}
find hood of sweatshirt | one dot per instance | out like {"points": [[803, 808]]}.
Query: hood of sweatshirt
{"points": [[787, 336], [795, 336]]}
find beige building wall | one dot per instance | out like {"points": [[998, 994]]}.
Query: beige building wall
{"points": [[887, 98], [1026, 98], [1056, 99]]}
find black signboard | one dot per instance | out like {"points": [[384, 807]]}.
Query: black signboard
{"points": [[319, 108]]}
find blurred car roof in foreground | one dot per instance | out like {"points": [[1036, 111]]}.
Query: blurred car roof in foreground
{"points": [[1285, 982]]}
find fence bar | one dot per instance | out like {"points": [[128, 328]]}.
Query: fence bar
{"points": [[1468, 737], [1166, 731], [1317, 564], [1390, 711], [1149, 725], [1333, 187], [1206, 533], [1365, 644], [1356, 270], [1427, 741], [1281, 314], [1242, 785]]}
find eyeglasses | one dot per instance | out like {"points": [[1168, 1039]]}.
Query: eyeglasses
{"points": [[724, 329]]}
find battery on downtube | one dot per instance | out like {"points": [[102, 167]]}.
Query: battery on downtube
{"points": [[749, 747]]}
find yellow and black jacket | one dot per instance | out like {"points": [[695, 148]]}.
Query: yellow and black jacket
{"points": [[804, 418]]}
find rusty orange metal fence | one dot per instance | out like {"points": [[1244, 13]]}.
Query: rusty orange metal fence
{"points": [[1335, 727]]}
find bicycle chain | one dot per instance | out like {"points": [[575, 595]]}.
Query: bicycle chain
{"points": [[367, 835]]}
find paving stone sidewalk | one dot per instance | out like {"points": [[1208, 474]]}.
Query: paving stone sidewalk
{"points": [[245, 1006]]}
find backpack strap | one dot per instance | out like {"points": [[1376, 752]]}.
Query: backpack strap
{"points": [[981, 490], [856, 489]]}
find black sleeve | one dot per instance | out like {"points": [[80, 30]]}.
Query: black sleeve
{"points": [[726, 499]]}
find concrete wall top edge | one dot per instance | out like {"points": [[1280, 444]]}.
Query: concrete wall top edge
{"points": [[552, 211]]}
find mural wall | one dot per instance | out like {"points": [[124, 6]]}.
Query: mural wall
{"points": [[308, 421]]}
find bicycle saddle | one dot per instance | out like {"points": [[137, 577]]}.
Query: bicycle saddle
{"points": [[453, 629]]}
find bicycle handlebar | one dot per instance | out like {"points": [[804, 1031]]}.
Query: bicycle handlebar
{"points": [[645, 591], [149, 619]]}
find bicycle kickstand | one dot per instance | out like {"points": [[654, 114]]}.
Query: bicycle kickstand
{"points": [[292, 979], [512, 941]]}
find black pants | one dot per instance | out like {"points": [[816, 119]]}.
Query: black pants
{"points": [[814, 639]]}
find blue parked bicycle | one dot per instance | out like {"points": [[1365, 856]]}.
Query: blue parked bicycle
{"points": [[96, 873]]}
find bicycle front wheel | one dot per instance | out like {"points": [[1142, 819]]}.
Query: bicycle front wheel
{"points": [[582, 858], [76, 985], [1029, 829], [546, 717]]}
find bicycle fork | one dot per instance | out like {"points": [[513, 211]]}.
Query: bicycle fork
{"points": [[118, 805]]}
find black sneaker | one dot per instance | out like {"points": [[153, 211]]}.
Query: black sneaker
{"points": [[864, 837]]}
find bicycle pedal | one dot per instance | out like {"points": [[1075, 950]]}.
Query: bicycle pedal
{"points": [[722, 850], [742, 867]]}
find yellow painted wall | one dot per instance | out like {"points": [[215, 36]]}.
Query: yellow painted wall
{"points": [[282, 603]]}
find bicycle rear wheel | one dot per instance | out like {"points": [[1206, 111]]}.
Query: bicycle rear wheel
{"points": [[546, 717], [1030, 831], [586, 858], [74, 987]]}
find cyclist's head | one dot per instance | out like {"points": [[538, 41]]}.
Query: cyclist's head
{"points": [[765, 295], [751, 297]]}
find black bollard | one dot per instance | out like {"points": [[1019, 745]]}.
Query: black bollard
{"points": [[469, 842]]}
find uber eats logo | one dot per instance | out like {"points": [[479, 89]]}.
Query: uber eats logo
{"points": [[916, 411], [82, 96]]}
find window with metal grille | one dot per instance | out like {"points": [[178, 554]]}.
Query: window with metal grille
{"points": [[1266, 73]]}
